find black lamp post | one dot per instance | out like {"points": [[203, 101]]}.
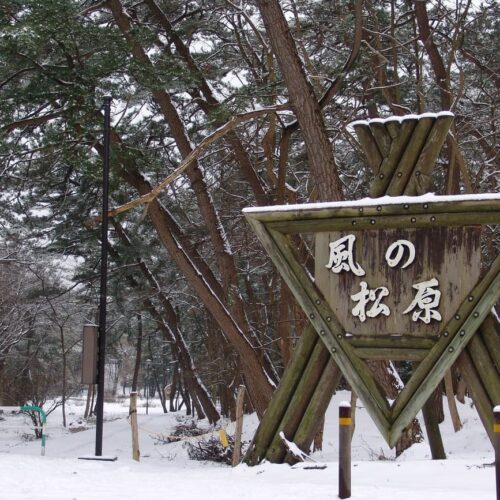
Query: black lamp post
{"points": [[104, 281]]}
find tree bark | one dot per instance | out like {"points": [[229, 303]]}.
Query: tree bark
{"points": [[168, 325], [138, 355], [307, 109], [260, 389]]}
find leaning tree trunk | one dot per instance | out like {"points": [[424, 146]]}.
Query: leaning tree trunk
{"points": [[138, 355], [200, 277], [167, 322], [319, 151], [306, 107], [228, 312]]}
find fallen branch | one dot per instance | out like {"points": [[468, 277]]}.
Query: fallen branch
{"points": [[192, 156]]}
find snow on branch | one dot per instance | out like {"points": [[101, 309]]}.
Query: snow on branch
{"points": [[295, 450]]}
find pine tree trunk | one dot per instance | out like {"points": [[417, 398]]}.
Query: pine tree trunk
{"points": [[232, 315], [138, 355], [306, 107], [88, 405]]}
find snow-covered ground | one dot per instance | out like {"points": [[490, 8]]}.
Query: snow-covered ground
{"points": [[166, 472]]}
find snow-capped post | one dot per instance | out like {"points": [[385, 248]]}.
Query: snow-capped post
{"points": [[132, 415], [104, 281], [496, 432], [239, 425], [345, 431]]}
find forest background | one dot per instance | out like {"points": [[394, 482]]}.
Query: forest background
{"points": [[223, 105]]}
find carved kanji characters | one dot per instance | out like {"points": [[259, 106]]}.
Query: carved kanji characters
{"points": [[425, 302], [367, 296], [396, 251], [342, 256]]}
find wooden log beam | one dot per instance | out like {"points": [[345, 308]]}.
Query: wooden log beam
{"points": [[412, 151], [479, 395], [311, 421], [300, 400], [281, 397], [386, 342], [358, 223], [349, 211], [392, 353], [382, 180], [381, 136], [393, 127], [369, 145], [490, 333], [485, 368], [420, 180]]}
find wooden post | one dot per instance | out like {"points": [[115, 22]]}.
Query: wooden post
{"points": [[345, 426], [239, 425], [133, 424], [496, 432]]}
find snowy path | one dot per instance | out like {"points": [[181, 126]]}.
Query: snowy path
{"points": [[165, 472]]}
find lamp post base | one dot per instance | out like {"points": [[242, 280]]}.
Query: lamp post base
{"points": [[103, 458]]}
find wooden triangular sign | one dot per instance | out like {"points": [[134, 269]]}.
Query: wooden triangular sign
{"points": [[358, 243]]}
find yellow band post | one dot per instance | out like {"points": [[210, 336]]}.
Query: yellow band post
{"points": [[345, 421], [496, 428]]}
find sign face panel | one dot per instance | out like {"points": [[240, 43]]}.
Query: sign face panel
{"points": [[397, 281]]}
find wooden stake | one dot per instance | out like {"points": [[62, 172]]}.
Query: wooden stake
{"points": [[239, 425], [345, 431], [133, 424]]}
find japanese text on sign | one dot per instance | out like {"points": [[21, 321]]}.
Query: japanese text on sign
{"points": [[369, 301]]}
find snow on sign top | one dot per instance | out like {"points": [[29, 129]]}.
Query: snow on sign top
{"points": [[400, 119], [384, 200]]}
